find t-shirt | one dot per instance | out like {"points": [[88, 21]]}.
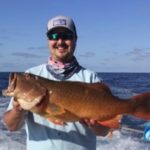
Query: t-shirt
{"points": [[44, 135]]}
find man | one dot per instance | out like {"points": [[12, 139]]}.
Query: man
{"points": [[62, 65]]}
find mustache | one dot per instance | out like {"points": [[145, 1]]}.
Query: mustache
{"points": [[61, 45]]}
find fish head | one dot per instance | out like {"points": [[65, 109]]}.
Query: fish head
{"points": [[24, 86]]}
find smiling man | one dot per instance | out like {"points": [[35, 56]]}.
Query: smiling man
{"points": [[62, 65]]}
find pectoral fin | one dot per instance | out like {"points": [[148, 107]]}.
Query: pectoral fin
{"points": [[58, 114], [53, 109], [113, 123]]}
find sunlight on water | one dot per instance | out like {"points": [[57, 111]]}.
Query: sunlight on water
{"points": [[6, 143], [122, 142]]}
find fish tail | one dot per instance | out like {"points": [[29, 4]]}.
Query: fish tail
{"points": [[142, 106]]}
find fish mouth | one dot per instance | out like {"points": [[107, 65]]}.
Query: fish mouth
{"points": [[12, 81], [11, 85]]}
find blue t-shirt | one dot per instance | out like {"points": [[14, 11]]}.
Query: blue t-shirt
{"points": [[44, 135]]}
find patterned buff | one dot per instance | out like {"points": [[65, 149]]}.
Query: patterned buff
{"points": [[62, 71]]}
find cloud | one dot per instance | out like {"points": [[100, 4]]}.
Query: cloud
{"points": [[139, 54], [87, 54], [26, 55]]}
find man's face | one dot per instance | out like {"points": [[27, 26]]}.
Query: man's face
{"points": [[61, 44]]}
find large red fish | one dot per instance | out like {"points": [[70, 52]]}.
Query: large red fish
{"points": [[72, 101]]}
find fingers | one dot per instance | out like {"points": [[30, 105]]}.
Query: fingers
{"points": [[89, 122]]}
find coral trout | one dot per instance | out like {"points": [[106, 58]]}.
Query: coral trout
{"points": [[70, 101]]}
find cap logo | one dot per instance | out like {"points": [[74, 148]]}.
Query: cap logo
{"points": [[59, 22]]}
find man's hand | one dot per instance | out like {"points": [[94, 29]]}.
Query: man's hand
{"points": [[14, 118], [96, 127]]}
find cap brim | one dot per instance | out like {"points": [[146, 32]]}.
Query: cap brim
{"points": [[50, 30]]}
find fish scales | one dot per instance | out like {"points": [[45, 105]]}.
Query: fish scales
{"points": [[74, 96], [71, 101]]}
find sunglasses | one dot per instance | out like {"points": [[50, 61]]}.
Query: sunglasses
{"points": [[63, 36]]}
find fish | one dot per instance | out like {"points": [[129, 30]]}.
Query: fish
{"points": [[71, 101]]}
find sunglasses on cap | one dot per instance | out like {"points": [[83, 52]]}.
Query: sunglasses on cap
{"points": [[63, 36]]}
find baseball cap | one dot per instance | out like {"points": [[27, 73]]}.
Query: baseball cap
{"points": [[61, 21]]}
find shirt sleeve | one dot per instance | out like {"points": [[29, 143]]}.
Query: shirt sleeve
{"points": [[96, 78]]}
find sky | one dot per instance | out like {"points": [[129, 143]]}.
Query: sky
{"points": [[113, 35]]}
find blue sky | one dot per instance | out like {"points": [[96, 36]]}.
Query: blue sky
{"points": [[114, 35]]}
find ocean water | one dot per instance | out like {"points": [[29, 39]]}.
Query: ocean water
{"points": [[129, 137]]}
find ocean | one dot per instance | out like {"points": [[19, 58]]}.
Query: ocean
{"points": [[129, 137]]}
